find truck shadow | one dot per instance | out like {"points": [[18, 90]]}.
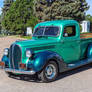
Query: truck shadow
{"points": [[61, 75], [74, 71]]}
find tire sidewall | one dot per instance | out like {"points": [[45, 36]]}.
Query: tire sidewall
{"points": [[43, 75]]}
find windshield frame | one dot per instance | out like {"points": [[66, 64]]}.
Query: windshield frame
{"points": [[44, 32]]}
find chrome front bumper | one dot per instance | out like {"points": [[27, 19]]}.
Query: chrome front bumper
{"points": [[32, 72], [16, 71]]}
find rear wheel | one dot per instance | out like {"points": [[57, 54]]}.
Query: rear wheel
{"points": [[49, 73]]}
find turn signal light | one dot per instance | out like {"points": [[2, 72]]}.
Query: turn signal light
{"points": [[23, 66], [2, 64]]}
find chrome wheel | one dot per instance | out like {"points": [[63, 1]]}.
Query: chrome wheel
{"points": [[50, 71]]}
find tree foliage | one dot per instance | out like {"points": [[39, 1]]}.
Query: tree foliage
{"points": [[26, 13], [7, 5], [60, 9], [89, 18], [19, 17], [0, 24]]}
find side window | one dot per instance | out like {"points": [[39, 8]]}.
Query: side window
{"points": [[69, 31]]}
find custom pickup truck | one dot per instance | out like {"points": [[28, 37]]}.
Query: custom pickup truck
{"points": [[55, 47]]}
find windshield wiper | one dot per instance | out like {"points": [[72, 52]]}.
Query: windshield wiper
{"points": [[41, 36]]}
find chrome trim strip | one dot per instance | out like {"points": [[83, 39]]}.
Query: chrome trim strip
{"points": [[32, 72], [21, 56], [13, 56], [10, 56]]}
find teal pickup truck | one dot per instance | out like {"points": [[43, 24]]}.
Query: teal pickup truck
{"points": [[55, 47]]}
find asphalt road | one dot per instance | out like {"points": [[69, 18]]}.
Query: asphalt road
{"points": [[79, 80]]}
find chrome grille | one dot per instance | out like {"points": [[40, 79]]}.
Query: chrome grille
{"points": [[15, 56]]}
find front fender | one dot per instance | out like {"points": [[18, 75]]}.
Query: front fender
{"points": [[42, 58], [5, 59]]}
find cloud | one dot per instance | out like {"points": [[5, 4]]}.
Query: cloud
{"points": [[0, 10]]}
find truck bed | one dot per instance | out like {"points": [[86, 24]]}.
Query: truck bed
{"points": [[86, 36], [85, 40]]}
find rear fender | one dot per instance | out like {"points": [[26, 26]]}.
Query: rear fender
{"points": [[89, 51]]}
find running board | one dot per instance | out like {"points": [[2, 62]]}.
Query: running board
{"points": [[80, 63]]}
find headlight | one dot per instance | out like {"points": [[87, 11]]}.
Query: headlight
{"points": [[28, 53], [6, 51]]}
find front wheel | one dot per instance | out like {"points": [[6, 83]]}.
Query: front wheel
{"points": [[49, 73]]}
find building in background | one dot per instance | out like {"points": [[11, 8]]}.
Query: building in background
{"points": [[85, 26], [29, 31]]}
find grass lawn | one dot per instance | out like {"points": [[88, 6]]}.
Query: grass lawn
{"points": [[25, 37]]}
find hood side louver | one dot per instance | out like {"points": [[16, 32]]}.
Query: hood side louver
{"points": [[43, 47]]}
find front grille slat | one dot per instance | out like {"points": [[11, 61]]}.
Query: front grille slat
{"points": [[10, 54], [15, 56]]}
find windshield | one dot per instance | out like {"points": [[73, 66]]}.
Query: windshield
{"points": [[46, 31]]}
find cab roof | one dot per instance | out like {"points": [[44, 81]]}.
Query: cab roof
{"points": [[57, 22]]}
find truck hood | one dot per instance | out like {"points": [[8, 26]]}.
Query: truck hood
{"points": [[36, 42]]}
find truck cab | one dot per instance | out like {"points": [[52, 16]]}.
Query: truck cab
{"points": [[55, 47]]}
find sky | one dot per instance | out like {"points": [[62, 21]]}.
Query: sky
{"points": [[90, 9], [88, 12], [1, 5]]}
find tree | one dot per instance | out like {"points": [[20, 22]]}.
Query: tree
{"points": [[19, 17], [60, 9], [89, 18], [7, 5], [0, 24]]}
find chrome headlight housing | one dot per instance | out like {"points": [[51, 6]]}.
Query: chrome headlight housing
{"points": [[29, 53], [6, 51]]}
